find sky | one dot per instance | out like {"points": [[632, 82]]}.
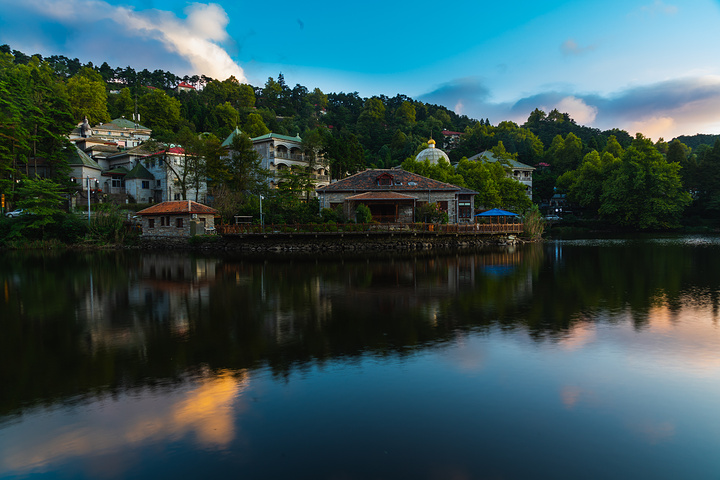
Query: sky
{"points": [[648, 66]]}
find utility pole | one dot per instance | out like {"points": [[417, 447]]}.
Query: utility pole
{"points": [[88, 195]]}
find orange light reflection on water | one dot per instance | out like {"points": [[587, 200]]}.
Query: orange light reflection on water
{"points": [[207, 412]]}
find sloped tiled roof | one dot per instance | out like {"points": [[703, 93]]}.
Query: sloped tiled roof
{"points": [[139, 172], [139, 151], [123, 123], [178, 207], [268, 136], [228, 141], [487, 156], [402, 182], [77, 157], [381, 196], [117, 171]]}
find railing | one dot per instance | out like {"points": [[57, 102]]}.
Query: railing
{"points": [[254, 229], [290, 156]]}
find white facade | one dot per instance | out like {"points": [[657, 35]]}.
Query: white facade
{"points": [[516, 170], [280, 154]]}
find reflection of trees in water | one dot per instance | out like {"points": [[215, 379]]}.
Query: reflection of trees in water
{"points": [[149, 318]]}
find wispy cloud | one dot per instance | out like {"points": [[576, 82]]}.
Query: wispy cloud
{"points": [[122, 32], [665, 109], [571, 47], [659, 7]]}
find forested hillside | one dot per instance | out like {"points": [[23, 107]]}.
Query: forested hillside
{"points": [[42, 99]]}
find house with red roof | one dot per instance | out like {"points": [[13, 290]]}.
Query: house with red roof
{"points": [[394, 195], [184, 87], [182, 218]]}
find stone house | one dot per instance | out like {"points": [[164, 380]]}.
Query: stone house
{"points": [[182, 218], [393, 196]]}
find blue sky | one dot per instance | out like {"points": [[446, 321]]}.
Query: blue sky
{"points": [[647, 66]]}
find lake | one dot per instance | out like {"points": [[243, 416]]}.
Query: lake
{"points": [[589, 359]]}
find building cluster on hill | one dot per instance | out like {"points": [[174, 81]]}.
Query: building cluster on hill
{"points": [[115, 159], [119, 161]]}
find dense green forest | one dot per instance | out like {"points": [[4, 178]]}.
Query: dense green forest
{"points": [[611, 176]]}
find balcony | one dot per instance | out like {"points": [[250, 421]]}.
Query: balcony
{"points": [[298, 157]]}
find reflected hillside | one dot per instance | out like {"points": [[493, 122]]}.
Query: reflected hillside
{"points": [[83, 324]]}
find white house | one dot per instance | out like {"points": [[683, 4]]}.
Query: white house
{"points": [[519, 171], [282, 153]]}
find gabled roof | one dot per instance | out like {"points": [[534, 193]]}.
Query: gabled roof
{"points": [[178, 207], [139, 151], [402, 182], [77, 157], [381, 196], [172, 151], [228, 141], [139, 172], [269, 136], [487, 156], [121, 123], [117, 171]]}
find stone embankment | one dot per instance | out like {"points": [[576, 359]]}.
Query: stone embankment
{"points": [[326, 242]]}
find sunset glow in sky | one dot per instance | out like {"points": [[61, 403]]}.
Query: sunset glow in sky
{"points": [[646, 66]]}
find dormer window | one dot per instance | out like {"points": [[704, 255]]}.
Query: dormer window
{"points": [[385, 180]]}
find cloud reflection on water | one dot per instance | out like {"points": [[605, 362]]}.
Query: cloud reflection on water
{"points": [[206, 412]]}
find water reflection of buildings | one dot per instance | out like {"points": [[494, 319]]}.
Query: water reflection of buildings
{"points": [[162, 290], [421, 286], [165, 294]]}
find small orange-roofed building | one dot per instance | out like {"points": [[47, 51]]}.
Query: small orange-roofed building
{"points": [[181, 218]]}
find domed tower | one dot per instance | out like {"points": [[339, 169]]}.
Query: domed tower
{"points": [[431, 153]]}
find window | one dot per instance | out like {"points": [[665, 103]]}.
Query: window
{"points": [[177, 196], [146, 184], [157, 183], [179, 222], [151, 223], [116, 183], [464, 210], [443, 206], [384, 180]]}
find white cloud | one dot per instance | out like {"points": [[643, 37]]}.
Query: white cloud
{"points": [[196, 38], [659, 6], [578, 110], [653, 127], [571, 47]]}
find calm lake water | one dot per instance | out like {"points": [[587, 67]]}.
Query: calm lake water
{"points": [[574, 359]]}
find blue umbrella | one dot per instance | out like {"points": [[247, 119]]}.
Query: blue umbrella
{"points": [[497, 212]]}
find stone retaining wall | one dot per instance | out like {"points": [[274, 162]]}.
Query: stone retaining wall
{"points": [[327, 242]]}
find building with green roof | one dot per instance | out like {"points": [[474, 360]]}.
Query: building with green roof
{"points": [[140, 183], [283, 154], [516, 170]]}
